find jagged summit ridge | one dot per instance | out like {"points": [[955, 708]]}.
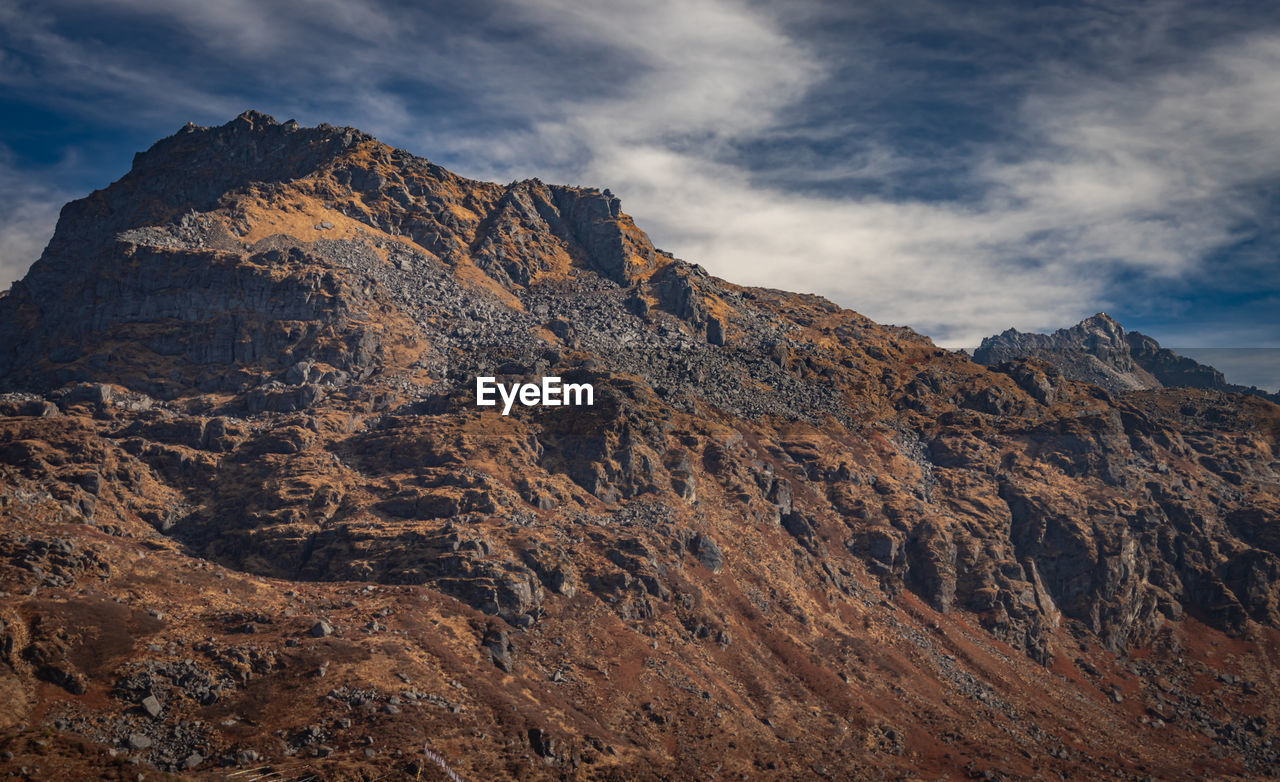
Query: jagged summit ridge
{"points": [[1093, 351], [197, 166], [210, 169], [1100, 351]]}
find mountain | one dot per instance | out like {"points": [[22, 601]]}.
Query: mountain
{"points": [[1098, 350], [253, 515]]}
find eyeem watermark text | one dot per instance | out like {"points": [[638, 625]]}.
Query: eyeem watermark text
{"points": [[551, 393]]}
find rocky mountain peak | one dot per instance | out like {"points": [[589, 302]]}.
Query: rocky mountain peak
{"points": [[254, 146], [1099, 350], [1093, 351], [1102, 320], [1102, 324], [194, 169], [221, 234]]}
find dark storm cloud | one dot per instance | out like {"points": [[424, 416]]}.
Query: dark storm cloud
{"points": [[961, 167]]}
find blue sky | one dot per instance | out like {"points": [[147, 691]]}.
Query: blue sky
{"points": [[960, 167]]}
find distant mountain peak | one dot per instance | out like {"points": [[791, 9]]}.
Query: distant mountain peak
{"points": [[1099, 350]]}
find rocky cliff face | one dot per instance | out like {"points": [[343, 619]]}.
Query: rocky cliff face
{"points": [[253, 514], [1098, 350]]}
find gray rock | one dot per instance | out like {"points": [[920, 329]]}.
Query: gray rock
{"points": [[138, 741], [542, 743], [498, 645], [715, 331], [707, 551]]}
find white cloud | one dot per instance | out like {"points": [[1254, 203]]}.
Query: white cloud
{"points": [[30, 207]]}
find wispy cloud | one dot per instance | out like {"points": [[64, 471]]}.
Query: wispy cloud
{"points": [[30, 204]]}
